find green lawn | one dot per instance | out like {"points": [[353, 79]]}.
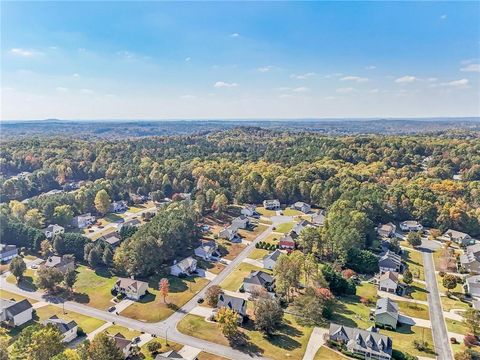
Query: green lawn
{"points": [[171, 346], [151, 307], [367, 290], [292, 212], [417, 291], [135, 209], [258, 253], [88, 324], [325, 353], [272, 239], [457, 291], [455, 326], [113, 217], [230, 250], [285, 227], [414, 262], [28, 281], [414, 310], [128, 333], [93, 287], [403, 338], [8, 295], [289, 343], [265, 212], [449, 304], [235, 279]]}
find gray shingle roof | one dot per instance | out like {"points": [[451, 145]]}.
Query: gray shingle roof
{"points": [[62, 325]]}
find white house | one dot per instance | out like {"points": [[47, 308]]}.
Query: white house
{"points": [[249, 210], [68, 329], [458, 237], [185, 267], [473, 285], [270, 260], [53, 230], [207, 250], [229, 233], [8, 252], [132, 222], [118, 206], [386, 313], [388, 282], [387, 230], [301, 206], [411, 225], [83, 221], [241, 222], [271, 204], [15, 313], [131, 288]]}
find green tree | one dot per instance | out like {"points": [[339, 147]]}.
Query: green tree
{"points": [[228, 322], [38, 342], [449, 282], [407, 277], [472, 321], [103, 347], [34, 218], [48, 278], [268, 315], [63, 214], [102, 201], [17, 268], [414, 238], [220, 204], [212, 294], [70, 278]]}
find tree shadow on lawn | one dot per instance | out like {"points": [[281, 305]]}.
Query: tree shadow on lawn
{"points": [[27, 284], [414, 289], [103, 272], [176, 284], [344, 316], [242, 343]]}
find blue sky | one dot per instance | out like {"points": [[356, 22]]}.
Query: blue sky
{"points": [[168, 60]]}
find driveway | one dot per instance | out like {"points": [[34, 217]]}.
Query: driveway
{"points": [[189, 352], [314, 343], [253, 262], [202, 311]]}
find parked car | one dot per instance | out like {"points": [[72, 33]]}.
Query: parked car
{"points": [[111, 308], [200, 301], [136, 340]]}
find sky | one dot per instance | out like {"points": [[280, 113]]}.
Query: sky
{"points": [[239, 60]]}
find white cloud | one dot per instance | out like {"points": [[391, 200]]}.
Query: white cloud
{"points": [[222, 84], [126, 55], [282, 88], [301, 89], [329, 98], [443, 17], [432, 79], [24, 52], [347, 90], [285, 96], [302, 76], [61, 89], [86, 91], [267, 68], [456, 83], [333, 75], [406, 79], [471, 68], [187, 59], [188, 96], [354, 78], [370, 67], [76, 75], [235, 35]]}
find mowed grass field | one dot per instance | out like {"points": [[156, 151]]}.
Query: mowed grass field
{"points": [[128, 333], [414, 262], [28, 281], [9, 295], [289, 342], [250, 235], [151, 307], [235, 279], [88, 324], [94, 287], [325, 353]]}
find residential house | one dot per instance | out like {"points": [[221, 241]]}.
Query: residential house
{"points": [[249, 210], [132, 222], [184, 267], [53, 230], [318, 218], [470, 261], [113, 238], [287, 243], [124, 345], [388, 282], [271, 204], [386, 314], [15, 313], [234, 303], [298, 228], [258, 280], [241, 222], [62, 263], [363, 343], [270, 260], [389, 261], [118, 206], [458, 237], [207, 250], [131, 288], [411, 225], [8, 252], [301, 206], [68, 329], [387, 230], [473, 285], [172, 354], [229, 233], [83, 221]]}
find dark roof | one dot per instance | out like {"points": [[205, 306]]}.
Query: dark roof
{"points": [[172, 354], [259, 278], [19, 307], [232, 302], [120, 341], [62, 325]]}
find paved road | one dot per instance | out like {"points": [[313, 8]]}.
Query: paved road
{"points": [[166, 328], [439, 328]]}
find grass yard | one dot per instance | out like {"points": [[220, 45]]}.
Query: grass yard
{"points": [[367, 290], [417, 291], [290, 341], [151, 307], [250, 235], [458, 327], [449, 304], [258, 253], [326, 353], [403, 339], [28, 281], [128, 333], [285, 227], [213, 267], [8, 295], [456, 292], [207, 356], [272, 239], [235, 279], [268, 213], [136, 209], [292, 212], [88, 324], [171, 346], [414, 262], [413, 309], [230, 250], [93, 287]]}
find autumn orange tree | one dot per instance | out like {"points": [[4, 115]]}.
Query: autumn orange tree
{"points": [[164, 287]]}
